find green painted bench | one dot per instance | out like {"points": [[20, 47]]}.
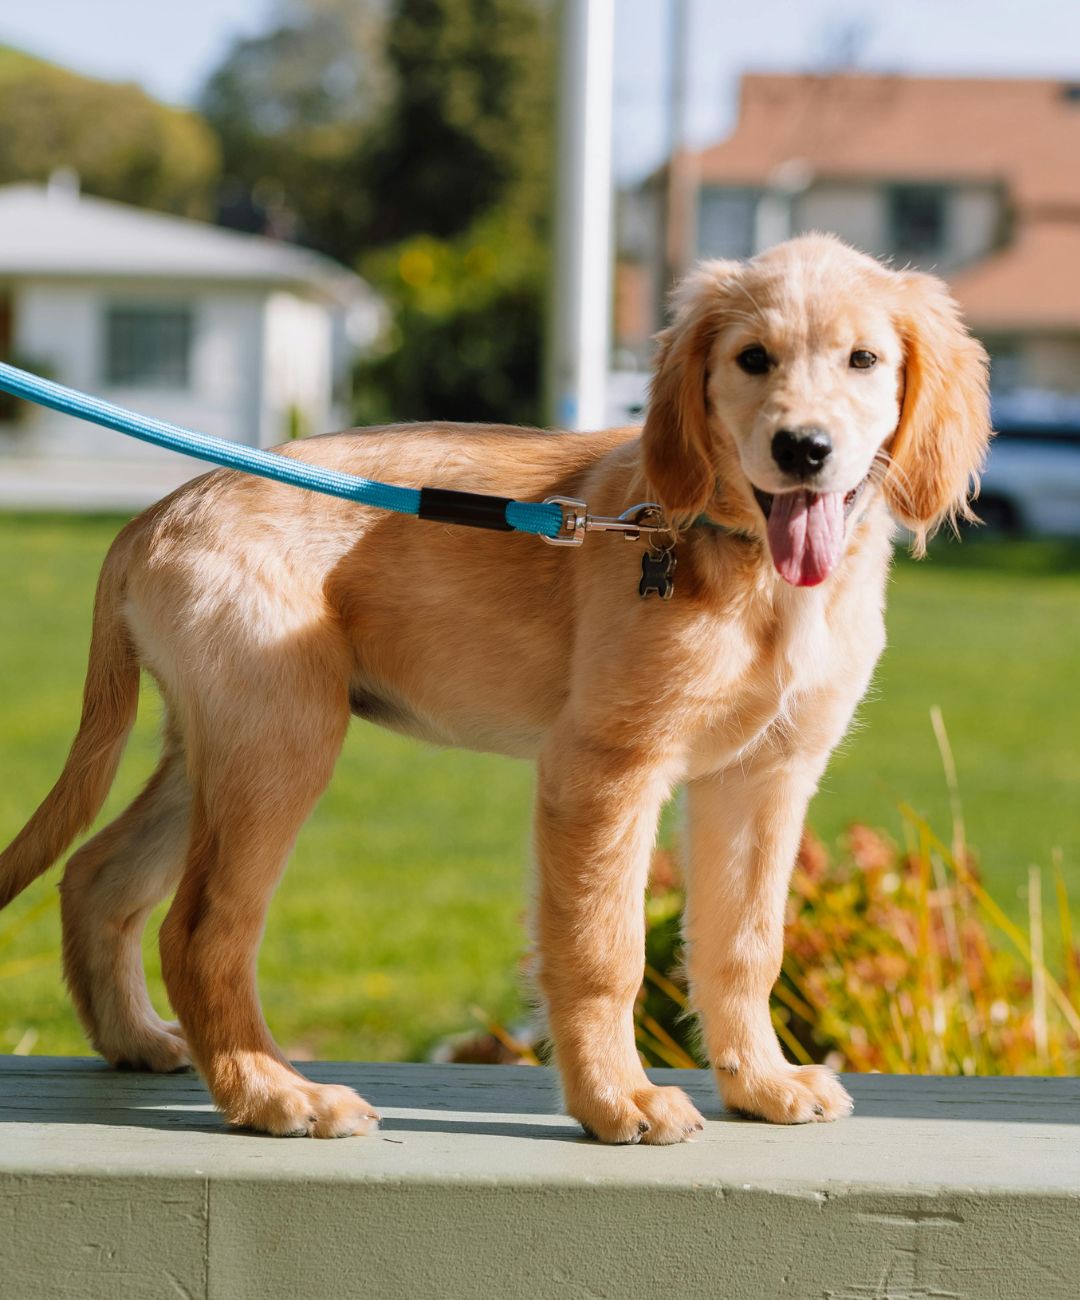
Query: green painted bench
{"points": [[118, 1185]]}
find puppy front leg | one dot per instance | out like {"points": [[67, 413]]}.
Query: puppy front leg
{"points": [[596, 821], [744, 834]]}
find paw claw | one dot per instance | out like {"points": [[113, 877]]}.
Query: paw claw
{"points": [[651, 1116], [793, 1094], [303, 1109]]}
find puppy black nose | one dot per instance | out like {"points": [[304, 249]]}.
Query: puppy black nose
{"points": [[803, 451]]}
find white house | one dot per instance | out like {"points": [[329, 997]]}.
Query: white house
{"points": [[227, 333]]}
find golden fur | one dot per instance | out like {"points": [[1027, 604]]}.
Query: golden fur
{"points": [[267, 616]]}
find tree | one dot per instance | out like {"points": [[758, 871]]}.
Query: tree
{"points": [[465, 341], [291, 108], [461, 174], [350, 128], [123, 144], [468, 124]]}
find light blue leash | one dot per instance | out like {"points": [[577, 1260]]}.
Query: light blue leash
{"points": [[548, 520]]}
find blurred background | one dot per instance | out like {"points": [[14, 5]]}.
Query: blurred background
{"points": [[269, 218]]}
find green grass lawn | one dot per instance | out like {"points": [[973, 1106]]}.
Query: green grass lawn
{"points": [[404, 905]]}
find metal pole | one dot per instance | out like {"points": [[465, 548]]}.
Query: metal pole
{"points": [[680, 216], [581, 342]]}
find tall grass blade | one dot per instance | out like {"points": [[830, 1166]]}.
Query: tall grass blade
{"points": [[1070, 958], [1038, 976], [952, 784]]}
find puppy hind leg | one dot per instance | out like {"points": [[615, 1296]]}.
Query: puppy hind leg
{"points": [[259, 776], [109, 888]]}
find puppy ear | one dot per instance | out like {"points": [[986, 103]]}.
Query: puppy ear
{"points": [[676, 444], [941, 440]]}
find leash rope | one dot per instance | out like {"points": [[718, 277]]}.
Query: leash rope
{"points": [[549, 520]]}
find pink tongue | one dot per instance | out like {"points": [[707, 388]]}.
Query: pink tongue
{"points": [[806, 535]]}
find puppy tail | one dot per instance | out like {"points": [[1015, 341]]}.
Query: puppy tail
{"points": [[110, 701]]}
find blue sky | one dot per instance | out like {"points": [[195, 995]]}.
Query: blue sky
{"points": [[170, 47], [1033, 38]]}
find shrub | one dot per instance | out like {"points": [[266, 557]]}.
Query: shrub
{"points": [[465, 337], [896, 959]]}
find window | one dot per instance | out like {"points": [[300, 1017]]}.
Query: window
{"points": [[726, 223], [917, 220], [148, 345]]}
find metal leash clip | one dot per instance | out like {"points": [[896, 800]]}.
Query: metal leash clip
{"points": [[647, 517]]}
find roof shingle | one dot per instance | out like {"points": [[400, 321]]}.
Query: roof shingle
{"points": [[59, 234], [921, 128]]}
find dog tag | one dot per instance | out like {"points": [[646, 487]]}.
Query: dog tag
{"points": [[657, 568]]}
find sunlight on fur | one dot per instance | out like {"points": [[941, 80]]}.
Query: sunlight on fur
{"points": [[802, 403]]}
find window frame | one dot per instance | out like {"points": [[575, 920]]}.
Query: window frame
{"points": [[750, 196], [172, 371], [940, 193]]}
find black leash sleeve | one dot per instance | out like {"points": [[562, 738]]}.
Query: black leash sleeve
{"points": [[471, 509]]}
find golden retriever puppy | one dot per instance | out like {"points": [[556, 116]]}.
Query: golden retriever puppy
{"points": [[802, 401]]}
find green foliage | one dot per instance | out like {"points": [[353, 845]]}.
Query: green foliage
{"points": [[123, 144], [292, 108], [466, 338], [356, 129], [468, 124], [460, 166], [896, 961]]}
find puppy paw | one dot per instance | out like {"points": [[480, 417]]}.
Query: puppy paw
{"points": [[158, 1047], [795, 1094], [652, 1116], [308, 1110]]}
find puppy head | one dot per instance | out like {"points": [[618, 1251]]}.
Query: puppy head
{"points": [[789, 383]]}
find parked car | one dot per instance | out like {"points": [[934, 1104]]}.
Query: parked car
{"points": [[1032, 479]]}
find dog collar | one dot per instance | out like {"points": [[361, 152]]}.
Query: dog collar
{"points": [[703, 521]]}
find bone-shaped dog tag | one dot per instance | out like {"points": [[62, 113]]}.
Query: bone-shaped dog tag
{"points": [[657, 568]]}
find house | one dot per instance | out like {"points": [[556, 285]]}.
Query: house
{"points": [[226, 333], [975, 179]]}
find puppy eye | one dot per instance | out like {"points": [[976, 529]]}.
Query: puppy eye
{"points": [[754, 360], [862, 360]]}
